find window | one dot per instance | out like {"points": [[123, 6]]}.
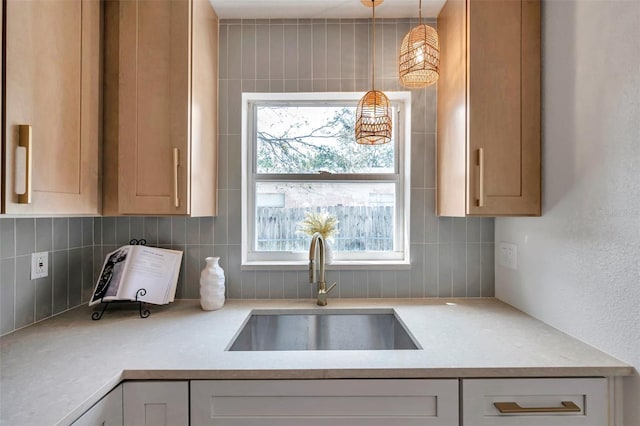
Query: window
{"points": [[299, 155]]}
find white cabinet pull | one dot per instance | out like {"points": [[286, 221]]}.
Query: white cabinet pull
{"points": [[23, 165], [176, 164], [515, 408], [480, 192]]}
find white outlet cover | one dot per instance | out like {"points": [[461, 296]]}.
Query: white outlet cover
{"points": [[39, 265], [508, 255]]}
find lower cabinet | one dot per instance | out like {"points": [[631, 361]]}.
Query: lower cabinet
{"points": [[324, 402], [106, 412], [534, 402], [370, 402], [152, 403]]}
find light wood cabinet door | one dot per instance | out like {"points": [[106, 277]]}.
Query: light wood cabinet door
{"points": [[489, 108], [161, 127], [324, 402], [52, 59], [106, 412], [156, 403]]}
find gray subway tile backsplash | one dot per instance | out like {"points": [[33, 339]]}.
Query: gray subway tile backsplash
{"points": [[459, 230], [290, 284], [248, 284], [449, 257], [150, 230], [44, 234], [123, 230], [164, 232], [473, 229], [25, 236], [8, 238], [178, 230], [87, 231], [403, 283], [136, 228], [44, 294], [445, 270], [7, 294], [276, 52], [24, 302], [60, 269], [109, 230], [374, 284], [248, 55], [276, 284], [459, 270], [473, 270], [389, 284], [261, 286], [86, 263], [431, 270], [487, 267], [97, 230], [60, 233], [75, 232], [74, 278]]}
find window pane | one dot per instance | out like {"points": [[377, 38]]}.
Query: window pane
{"points": [[312, 139], [365, 213]]}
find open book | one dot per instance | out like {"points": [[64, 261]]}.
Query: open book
{"points": [[135, 267]]}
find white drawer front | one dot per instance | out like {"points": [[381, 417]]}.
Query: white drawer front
{"points": [[324, 402], [589, 396]]}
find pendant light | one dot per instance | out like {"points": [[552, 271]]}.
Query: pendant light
{"points": [[373, 114], [419, 63]]}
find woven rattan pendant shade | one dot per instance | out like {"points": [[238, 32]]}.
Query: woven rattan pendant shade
{"points": [[373, 114], [419, 63], [373, 119]]}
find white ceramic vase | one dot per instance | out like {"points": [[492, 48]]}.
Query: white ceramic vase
{"points": [[328, 253], [212, 285]]}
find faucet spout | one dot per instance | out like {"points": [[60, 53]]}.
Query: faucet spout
{"points": [[317, 250]]}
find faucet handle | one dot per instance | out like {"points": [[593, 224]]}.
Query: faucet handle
{"points": [[331, 287]]}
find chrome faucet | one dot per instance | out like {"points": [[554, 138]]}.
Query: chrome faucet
{"points": [[318, 245]]}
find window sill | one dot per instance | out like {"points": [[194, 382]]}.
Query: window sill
{"points": [[350, 265]]}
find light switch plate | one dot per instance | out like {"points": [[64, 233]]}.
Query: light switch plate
{"points": [[508, 256], [39, 265]]}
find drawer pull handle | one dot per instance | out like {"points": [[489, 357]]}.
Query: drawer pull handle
{"points": [[24, 168], [176, 164], [480, 164], [514, 408]]}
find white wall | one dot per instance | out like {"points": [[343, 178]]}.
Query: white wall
{"points": [[579, 264]]}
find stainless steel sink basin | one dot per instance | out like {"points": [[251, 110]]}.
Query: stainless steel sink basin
{"points": [[326, 330]]}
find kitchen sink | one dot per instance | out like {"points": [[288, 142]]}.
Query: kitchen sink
{"points": [[327, 330]]}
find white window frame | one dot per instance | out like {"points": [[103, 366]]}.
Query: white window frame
{"points": [[252, 259]]}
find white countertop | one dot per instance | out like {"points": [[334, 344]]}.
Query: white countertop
{"points": [[55, 370]]}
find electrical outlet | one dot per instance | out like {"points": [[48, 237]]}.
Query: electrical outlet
{"points": [[39, 265], [508, 256]]}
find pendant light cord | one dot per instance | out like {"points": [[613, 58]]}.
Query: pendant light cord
{"points": [[420, 12], [373, 50]]}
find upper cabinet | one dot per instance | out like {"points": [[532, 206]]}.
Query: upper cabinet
{"points": [[488, 137], [51, 126], [161, 96]]}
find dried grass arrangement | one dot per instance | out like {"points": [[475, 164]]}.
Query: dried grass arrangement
{"points": [[322, 222]]}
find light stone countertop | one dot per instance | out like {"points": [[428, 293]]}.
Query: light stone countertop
{"points": [[55, 370]]}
